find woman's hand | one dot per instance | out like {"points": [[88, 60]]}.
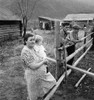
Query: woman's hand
{"points": [[45, 61]]}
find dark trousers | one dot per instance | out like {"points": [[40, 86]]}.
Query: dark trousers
{"points": [[92, 36], [70, 50]]}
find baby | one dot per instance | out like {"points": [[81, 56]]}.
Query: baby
{"points": [[41, 51]]}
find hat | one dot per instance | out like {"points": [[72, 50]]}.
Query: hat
{"points": [[76, 27]]}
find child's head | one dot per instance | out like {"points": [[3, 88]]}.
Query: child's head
{"points": [[38, 39]]}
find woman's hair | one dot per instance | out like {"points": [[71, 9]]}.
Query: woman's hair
{"points": [[38, 38], [27, 36]]}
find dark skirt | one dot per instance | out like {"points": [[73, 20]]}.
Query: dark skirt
{"points": [[92, 36], [70, 50]]}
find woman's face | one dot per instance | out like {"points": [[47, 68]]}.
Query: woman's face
{"points": [[30, 42]]}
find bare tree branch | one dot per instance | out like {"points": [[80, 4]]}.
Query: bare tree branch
{"points": [[23, 7], [20, 7], [31, 14], [27, 7]]}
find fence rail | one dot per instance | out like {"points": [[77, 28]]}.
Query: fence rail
{"points": [[68, 72], [79, 59], [57, 85], [73, 66], [77, 51], [76, 85]]}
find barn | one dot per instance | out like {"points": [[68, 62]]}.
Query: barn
{"points": [[10, 25], [47, 23], [79, 18]]}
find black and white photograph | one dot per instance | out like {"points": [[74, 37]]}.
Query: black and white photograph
{"points": [[46, 49]]}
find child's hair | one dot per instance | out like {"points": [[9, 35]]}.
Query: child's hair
{"points": [[38, 38]]}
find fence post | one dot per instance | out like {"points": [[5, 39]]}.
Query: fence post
{"points": [[58, 53], [85, 40], [65, 64]]}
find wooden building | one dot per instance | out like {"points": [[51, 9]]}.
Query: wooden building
{"points": [[46, 23], [10, 25], [79, 18]]}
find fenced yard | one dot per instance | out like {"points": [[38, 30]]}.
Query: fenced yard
{"points": [[12, 83]]}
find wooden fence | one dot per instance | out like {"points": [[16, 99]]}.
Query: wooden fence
{"points": [[67, 72]]}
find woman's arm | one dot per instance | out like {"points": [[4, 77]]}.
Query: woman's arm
{"points": [[30, 61], [35, 66], [74, 41]]}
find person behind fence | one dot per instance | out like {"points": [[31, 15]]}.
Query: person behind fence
{"points": [[37, 79], [72, 37], [92, 34]]}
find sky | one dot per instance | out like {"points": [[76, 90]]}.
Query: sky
{"points": [[90, 2]]}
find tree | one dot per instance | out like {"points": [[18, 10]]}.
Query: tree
{"points": [[24, 9]]}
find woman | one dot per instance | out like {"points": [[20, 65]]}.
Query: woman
{"points": [[35, 70]]}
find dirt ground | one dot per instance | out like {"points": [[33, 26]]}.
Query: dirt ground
{"points": [[85, 90]]}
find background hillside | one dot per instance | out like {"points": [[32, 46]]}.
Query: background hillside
{"points": [[55, 8], [60, 8]]}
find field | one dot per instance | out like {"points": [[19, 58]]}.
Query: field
{"points": [[12, 83]]}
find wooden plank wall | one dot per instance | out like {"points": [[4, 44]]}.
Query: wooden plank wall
{"points": [[9, 32]]}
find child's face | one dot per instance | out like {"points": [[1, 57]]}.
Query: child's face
{"points": [[40, 42]]}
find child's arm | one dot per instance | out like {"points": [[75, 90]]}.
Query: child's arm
{"points": [[44, 49], [48, 58], [51, 59]]}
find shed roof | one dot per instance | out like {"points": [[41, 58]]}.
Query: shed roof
{"points": [[79, 17], [48, 18], [7, 15]]}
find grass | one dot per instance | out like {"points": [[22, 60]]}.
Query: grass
{"points": [[12, 83], [12, 79]]}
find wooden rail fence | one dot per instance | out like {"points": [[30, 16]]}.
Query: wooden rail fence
{"points": [[67, 59]]}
